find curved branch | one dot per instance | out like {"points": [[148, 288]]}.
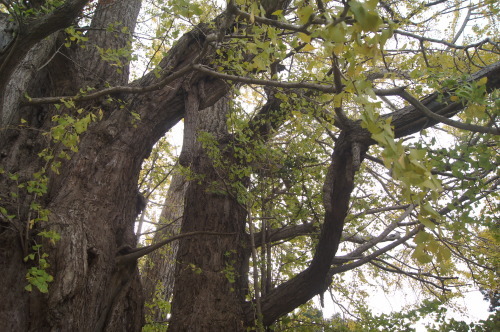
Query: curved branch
{"points": [[133, 254], [444, 42], [256, 81], [113, 90], [286, 232], [413, 275], [337, 190], [409, 120], [338, 186]]}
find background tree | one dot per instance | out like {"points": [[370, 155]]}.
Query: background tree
{"points": [[323, 162]]}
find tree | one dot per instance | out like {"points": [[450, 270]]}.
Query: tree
{"points": [[306, 164]]}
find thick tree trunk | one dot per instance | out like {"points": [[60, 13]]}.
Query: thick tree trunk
{"points": [[92, 198], [210, 275], [91, 202]]}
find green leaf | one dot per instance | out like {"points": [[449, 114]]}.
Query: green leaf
{"points": [[305, 38], [426, 222], [304, 13], [421, 256], [369, 20], [422, 237]]}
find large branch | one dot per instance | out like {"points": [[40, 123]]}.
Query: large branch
{"points": [[287, 232], [457, 124], [337, 190], [338, 186], [409, 120], [31, 32]]}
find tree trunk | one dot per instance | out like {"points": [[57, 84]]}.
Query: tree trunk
{"points": [[210, 274], [92, 198], [89, 292], [158, 273]]}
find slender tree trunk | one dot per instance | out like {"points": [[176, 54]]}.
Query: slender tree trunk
{"points": [[158, 273]]}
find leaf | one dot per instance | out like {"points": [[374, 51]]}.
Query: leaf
{"points": [[308, 48], [426, 208], [445, 253], [304, 13], [305, 38], [421, 256], [427, 222], [422, 237], [433, 246], [367, 19], [482, 81]]}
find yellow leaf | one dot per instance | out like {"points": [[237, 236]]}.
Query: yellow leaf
{"points": [[304, 13], [305, 38], [454, 98], [308, 48], [482, 81]]}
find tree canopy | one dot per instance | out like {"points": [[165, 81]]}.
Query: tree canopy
{"points": [[329, 146]]}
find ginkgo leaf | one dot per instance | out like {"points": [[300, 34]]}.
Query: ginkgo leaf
{"points": [[308, 48], [369, 20], [305, 38], [304, 13]]}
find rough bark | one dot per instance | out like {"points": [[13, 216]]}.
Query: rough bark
{"points": [[89, 293], [210, 272], [31, 31]]}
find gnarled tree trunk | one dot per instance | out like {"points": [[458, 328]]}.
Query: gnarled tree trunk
{"points": [[89, 292]]}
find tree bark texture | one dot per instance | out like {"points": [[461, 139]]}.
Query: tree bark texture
{"points": [[210, 272], [92, 201], [89, 293]]}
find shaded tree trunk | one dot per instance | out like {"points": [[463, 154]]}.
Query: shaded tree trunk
{"points": [[158, 273], [88, 293], [210, 274]]}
